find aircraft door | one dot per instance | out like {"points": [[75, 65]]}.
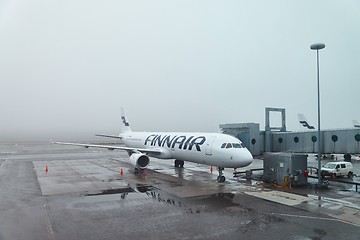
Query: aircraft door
{"points": [[209, 144]]}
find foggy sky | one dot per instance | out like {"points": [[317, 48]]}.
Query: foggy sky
{"points": [[67, 67]]}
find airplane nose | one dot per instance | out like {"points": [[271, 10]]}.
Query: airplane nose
{"points": [[248, 158]]}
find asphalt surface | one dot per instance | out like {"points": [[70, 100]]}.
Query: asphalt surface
{"points": [[83, 195]]}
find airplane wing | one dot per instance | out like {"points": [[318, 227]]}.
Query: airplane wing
{"points": [[112, 147], [109, 136]]}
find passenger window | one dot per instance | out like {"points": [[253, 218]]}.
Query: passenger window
{"points": [[229, 145], [337, 166], [223, 145], [343, 165]]}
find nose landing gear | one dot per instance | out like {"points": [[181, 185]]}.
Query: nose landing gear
{"points": [[221, 177], [179, 163]]}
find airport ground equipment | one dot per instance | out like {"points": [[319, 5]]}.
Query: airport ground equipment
{"points": [[248, 173], [279, 167], [350, 181]]}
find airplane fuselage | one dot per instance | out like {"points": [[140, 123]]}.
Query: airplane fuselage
{"points": [[213, 149]]}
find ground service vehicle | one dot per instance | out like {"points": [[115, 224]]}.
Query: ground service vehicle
{"points": [[337, 169]]}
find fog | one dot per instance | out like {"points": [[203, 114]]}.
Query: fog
{"points": [[67, 67]]}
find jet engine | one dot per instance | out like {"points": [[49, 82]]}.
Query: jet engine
{"points": [[139, 160]]}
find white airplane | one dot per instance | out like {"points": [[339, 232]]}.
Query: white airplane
{"points": [[356, 124], [213, 149], [303, 121]]}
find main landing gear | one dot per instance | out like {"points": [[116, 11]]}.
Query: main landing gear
{"points": [[179, 163], [221, 177]]}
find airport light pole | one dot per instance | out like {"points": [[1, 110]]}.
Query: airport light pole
{"points": [[317, 47]]}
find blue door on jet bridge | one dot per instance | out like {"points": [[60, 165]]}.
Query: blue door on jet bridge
{"points": [[244, 137]]}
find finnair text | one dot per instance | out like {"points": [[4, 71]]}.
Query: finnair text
{"points": [[182, 142]]}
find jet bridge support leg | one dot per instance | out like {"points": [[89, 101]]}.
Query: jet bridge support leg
{"points": [[221, 177]]}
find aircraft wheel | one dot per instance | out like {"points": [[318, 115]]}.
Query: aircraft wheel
{"points": [[181, 164], [176, 163], [221, 178]]}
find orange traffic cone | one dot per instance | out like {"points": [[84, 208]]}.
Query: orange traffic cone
{"points": [[46, 169], [121, 172]]}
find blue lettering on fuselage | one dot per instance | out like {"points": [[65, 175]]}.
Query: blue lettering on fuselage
{"points": [[187, 142], [182, 142], [197, 142], [168, 140]]}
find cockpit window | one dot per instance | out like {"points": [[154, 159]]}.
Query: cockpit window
{"points": [[237, 145], [231, 145]]}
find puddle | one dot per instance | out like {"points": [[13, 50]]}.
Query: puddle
{"points": [[139, 194]]}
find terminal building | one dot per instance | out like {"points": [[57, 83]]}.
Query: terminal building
{"points": [[278, 139]]}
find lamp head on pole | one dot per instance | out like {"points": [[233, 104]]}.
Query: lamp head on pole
{"points": [[317, 46]]}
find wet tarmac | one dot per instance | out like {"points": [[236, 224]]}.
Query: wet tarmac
{"points": [[83, 195]]}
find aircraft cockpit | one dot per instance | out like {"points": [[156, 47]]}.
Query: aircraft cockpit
{"points": [[231, 145]]}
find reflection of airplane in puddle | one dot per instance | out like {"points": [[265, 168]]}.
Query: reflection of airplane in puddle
{"points": [[193, 204], [139, 188], [214, 149], [190, 204]]}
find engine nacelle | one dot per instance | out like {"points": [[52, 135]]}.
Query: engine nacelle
{"points": [[139, 160]]}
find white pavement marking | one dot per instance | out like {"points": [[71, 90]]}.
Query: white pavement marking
{"points": [[279, 197]]}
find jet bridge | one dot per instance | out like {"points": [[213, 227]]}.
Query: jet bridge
{"points": [[278, 139], [332, 141]]}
